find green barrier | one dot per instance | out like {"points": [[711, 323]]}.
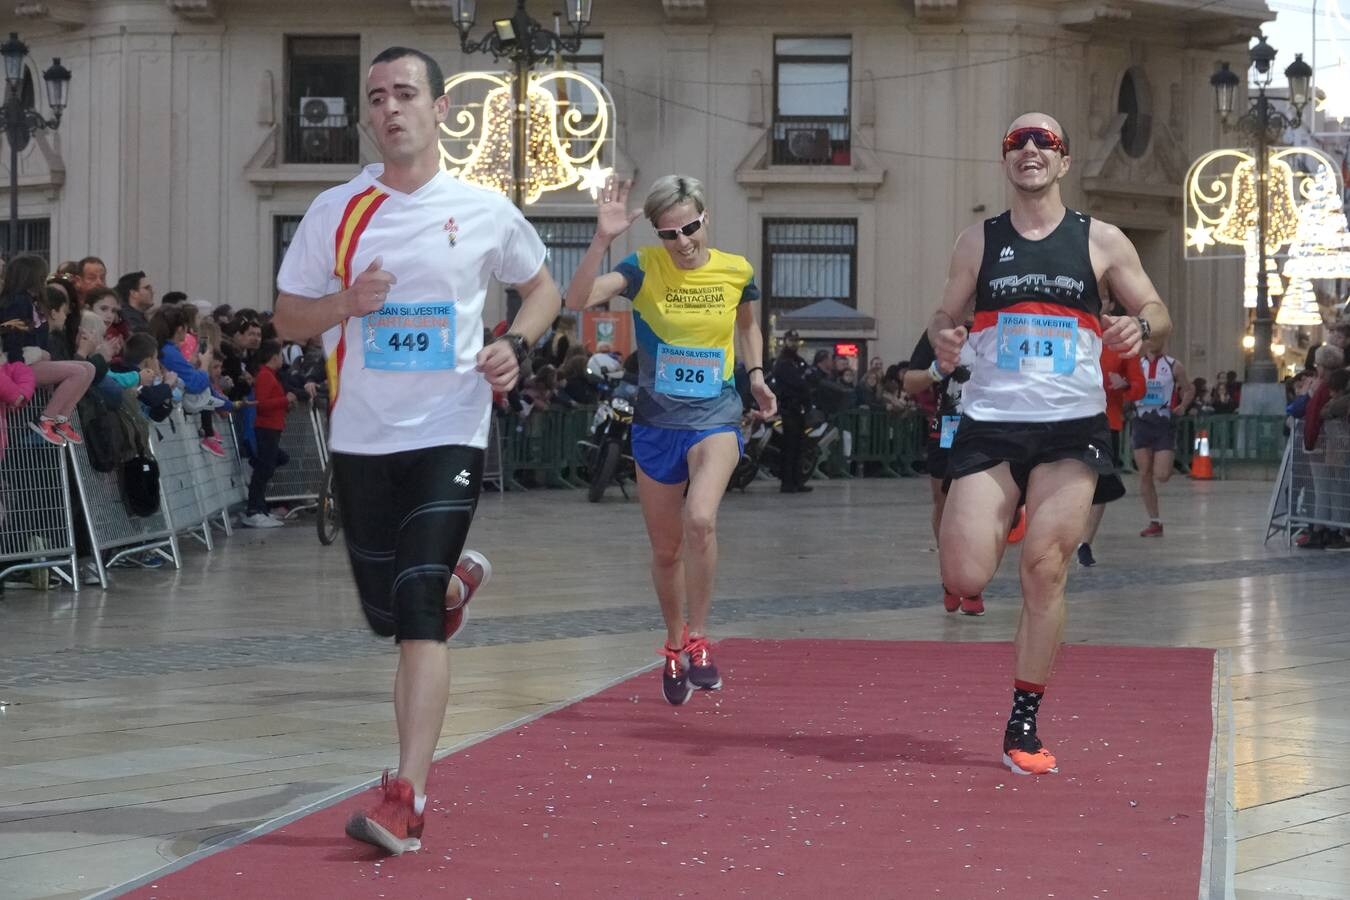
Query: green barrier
{"points": [[1233, 439], [543, 444], [893, 443]]}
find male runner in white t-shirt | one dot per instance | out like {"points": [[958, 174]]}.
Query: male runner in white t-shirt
{"points": [[392, 269]]}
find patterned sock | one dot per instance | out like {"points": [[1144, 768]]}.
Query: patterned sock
{"points": [[1026, 701]]}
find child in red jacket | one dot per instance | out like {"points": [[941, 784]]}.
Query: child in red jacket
{"points": [[272, 403]]}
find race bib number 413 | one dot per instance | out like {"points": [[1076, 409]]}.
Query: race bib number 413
{"points": [[689, 371], [1046, 344], [410, 337]]}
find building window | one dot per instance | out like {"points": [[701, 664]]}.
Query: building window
{"points": [[323, 91], [35, 236], [566, 239], [283, 232], [811, 101], [806, 260], [1135, 102]]}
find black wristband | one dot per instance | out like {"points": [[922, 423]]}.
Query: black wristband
{"points": [[518, 346], [750, 372]]}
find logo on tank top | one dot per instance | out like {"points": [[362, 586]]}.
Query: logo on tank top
{"points": [[451, 229], [1005, 255]]}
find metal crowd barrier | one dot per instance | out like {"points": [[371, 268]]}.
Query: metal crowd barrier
{"points": [[544, 444], [196, 486], [1233, 440], [35, 527], [892, 442], [1314, 485], [113, 533], [305, 443]]}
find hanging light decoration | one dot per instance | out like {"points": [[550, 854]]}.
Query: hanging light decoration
{"points": [[1221, 209], [560, 141]]}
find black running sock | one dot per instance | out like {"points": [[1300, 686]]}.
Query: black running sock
{"points": [[1026, 702]]}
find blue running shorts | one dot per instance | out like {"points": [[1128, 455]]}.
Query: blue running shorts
{"points": [[661, 452]]}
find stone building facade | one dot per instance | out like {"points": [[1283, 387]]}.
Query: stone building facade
{"points": [[844, 146]]}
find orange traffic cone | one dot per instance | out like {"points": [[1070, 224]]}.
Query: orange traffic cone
{"points": [[1201, 466]]}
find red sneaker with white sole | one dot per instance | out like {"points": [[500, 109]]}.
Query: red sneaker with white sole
{"points": [[474, 571], [390, 824]]}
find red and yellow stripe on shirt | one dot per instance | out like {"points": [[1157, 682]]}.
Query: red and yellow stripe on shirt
{"points": [[360, 210]]}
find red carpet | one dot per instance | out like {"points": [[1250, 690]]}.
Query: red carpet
{"points": [[822, 769]]}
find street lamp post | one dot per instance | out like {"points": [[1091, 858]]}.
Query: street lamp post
{"points": [[526, 43], [1263, 123], [22, 120]]}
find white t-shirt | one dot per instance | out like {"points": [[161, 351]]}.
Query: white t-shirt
{"points": [[407, 378]]}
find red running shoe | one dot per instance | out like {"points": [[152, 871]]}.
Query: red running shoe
{"points": [[391, 824], [47, 428], [67, 431], [1019, 526], [950, 602], [474, 571], [972, 606], [1154, 529]]}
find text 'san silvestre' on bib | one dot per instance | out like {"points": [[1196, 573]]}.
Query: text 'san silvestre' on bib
{"points": [[411, 337], [689, 371]]}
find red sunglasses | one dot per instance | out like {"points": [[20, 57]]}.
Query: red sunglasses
{"points": [[1043, 138]]}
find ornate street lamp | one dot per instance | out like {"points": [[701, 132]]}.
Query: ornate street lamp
{"points": [[1263, 124], [526, 43], [22, 119]]}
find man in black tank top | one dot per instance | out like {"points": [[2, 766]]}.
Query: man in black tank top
{"points": [[1033, 424]]}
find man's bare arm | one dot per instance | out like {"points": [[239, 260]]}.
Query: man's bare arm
{"points": [[1126, 278], [958, 295], [540, 302]]}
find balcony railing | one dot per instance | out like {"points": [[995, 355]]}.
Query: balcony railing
{"points": [[332, 139], [811, 142]]}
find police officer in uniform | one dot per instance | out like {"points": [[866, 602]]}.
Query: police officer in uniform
{"points": [[794, 399]]}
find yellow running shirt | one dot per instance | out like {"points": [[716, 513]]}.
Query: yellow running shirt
{"points": [[684, 321]]}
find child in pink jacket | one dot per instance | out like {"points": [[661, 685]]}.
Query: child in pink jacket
{"points": [[16, 389]]}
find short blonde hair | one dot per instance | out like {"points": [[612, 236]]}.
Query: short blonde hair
{"points": [[672, 190], [1329, 357]]}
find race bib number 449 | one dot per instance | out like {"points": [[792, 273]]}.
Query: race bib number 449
{"points": [[1046, 344], [410, 337], [689, 371]]}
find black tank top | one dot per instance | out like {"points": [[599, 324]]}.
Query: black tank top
{"points": [[1036, 332], [1056, 269]]}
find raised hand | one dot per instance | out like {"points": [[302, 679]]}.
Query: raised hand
{"points": [[370, 289], [612, 217], [948, 346]]}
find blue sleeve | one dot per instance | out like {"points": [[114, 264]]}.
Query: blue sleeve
{"points": [[194, 380], [632, 274], [1297, 407], [750, 293]]}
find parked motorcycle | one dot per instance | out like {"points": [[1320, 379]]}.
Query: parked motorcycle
{"points": [[608, 452], [764, 443]]}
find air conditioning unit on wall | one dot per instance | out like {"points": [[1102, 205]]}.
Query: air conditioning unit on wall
{"points": [[323, 128], [323, 112]]}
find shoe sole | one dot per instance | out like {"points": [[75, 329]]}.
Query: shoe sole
{"points": [[972, 613], [361, 828], [1018, 770], [716, 686], [482, 562]]}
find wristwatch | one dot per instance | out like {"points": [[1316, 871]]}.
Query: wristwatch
{"points": [[1145, 329], [518, 345]]}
